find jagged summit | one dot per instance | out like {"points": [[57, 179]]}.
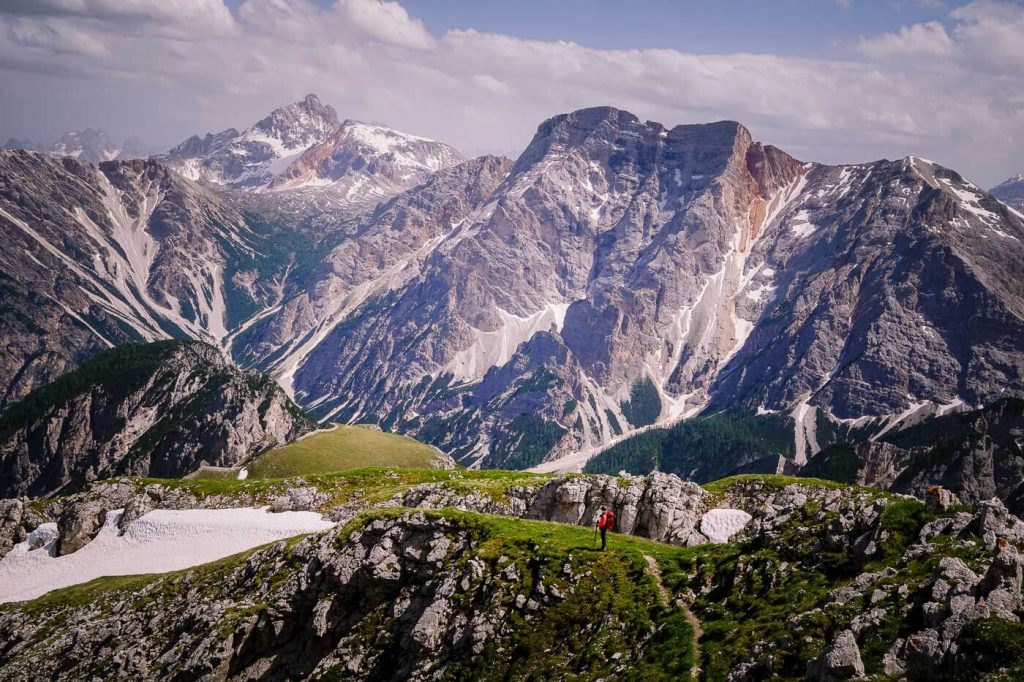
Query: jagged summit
{"points": [[303, 144], [299, 124]]}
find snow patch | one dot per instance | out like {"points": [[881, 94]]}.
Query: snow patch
{"points": [[801, 225], [719, 525], [161, 541], [495, 348], [805, 431]]}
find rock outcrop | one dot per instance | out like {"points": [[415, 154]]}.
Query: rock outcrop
{"points": [[908, 578], [840, 661], [409, 597], [161, 409]]}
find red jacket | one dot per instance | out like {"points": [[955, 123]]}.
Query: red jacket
{"points": [[607, 520]]}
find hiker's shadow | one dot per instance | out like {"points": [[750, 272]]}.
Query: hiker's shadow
{"points": [[584, 548]]}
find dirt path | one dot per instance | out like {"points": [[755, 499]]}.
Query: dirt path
{"points": [[655, 572]]}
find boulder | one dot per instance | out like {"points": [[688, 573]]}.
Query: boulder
{"points": [[840, 661], [938, 499], [79, 523], [11, 530]]}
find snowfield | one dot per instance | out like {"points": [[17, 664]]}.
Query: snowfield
{"points": [[718, 525], [161, 541]]}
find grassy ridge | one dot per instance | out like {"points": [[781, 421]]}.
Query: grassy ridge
{"points": [[744, 594], [369, 484], [342, 448]]}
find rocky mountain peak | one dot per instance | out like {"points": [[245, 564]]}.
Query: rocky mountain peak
{"points": [[1011, 192], [369, 160], [303, 145], [299, 123]]}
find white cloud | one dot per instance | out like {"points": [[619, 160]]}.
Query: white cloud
{"points": [[58, 37], [920, 40], [990, 35], [949, 93], [387, 22]]}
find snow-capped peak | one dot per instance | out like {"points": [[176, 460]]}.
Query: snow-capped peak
{"points": [[303, 145]]}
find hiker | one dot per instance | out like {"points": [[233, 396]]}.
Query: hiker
{"points": [[605, 523]]}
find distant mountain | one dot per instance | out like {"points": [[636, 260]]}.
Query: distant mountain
{"points": [[255, 156], [619, 276], [1011, 191], [89, 145], [158, 409], [304, 145], [365, 160]]}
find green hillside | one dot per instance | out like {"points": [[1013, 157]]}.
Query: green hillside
{"points": [[342, 448]]}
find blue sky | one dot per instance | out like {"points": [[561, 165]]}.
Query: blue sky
{"points": [[788, 27], [801, 28], [827, 80]]}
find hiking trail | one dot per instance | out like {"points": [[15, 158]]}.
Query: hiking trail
{"points": [[655, 572]]}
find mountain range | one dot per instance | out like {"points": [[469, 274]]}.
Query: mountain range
{"points": [[89, 145], [619, 276], [758, 363]]}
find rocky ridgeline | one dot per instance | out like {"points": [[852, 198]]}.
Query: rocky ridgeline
{"points": [[659, 506], [826, 581], [410, 597]]}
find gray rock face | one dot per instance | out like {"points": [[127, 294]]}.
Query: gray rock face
{"points": [[11, 530], [722, 271], [79, 524], [158, 410], [97, 257], [659, 506], [975, 455], [384, 251]]}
